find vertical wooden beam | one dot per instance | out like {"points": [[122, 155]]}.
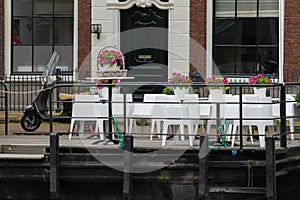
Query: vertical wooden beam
{"points": [[203, 167], [54, 165], [270, 168], [283, 142], [127, 179]]}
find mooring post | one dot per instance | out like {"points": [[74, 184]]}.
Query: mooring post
{"points": [[127, 179], [283, 142], [203, 166], [270, 168], [54, 168]]}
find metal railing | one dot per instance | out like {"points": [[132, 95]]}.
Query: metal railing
{"points": [[22, 89]]}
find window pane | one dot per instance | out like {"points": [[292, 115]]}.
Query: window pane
{"points": [[224, 31], [224, 59], [268, 8], [246, 31], [269, 59], [245, 60], [225, 8], [22, 8], [22, 56], [41, 57], [43, 7], [63, 31], [63, 7], [246, 8], [22, 31], [65, 57], [268, 31], [43, 31]]}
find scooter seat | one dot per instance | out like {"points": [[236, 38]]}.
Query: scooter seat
{"points": [[64, 96]]}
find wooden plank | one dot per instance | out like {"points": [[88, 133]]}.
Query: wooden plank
{"points": [[54, 169], [238, 190], [270, 168], [203, 167], [127, 180]]}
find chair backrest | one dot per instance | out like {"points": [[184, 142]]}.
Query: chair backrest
{"points": [[118, 105], [87, 106], [151, 97]]}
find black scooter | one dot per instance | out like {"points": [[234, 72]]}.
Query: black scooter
{"points": [[38, 111]]}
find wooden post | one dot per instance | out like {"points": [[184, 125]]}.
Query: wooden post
{"points": [[203, 167], [127, 179], [283, 142], [54, 168], [270, 168]]}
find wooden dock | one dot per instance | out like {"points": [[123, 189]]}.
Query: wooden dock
{"points": [[31, 168]]}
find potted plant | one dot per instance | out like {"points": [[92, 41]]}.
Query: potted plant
{"points": [[110, 58], [178, 78], [216, 87], [102, 86], [168, 91], [297, 98], [259, 80]]}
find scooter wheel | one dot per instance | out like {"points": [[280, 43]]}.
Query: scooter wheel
{"points": [[30, 122]]}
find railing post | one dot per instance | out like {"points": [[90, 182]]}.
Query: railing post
{"points": [[270, 168], [283, 142], [203, 167], [127, 179], [241, 116], [54, 165]]}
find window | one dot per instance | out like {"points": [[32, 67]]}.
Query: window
{"points": [[245, 36], [40, 27]]}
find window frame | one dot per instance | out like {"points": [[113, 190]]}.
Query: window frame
{"points": [[52, 45], [235, 45]]}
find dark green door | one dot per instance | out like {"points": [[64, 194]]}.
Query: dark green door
{"points": [[144, 42]]}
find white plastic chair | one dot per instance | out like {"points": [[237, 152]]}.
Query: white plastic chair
{"points": [[155, 117], [262, 117], [86, 108], [290, 113], [174, 115], [118, 106]]}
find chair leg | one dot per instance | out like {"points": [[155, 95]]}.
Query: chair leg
{"points": [[164, 134], [181, 129], [152, 129], [99, 126], [228, 137], [261, 132], [233, 135], [292, 128], [71, 128], [251, 135], [191, 132]]}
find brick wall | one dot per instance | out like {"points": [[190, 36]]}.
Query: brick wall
{"points": [[1, 37], [292, 35], [84, 35], [198, 33]]}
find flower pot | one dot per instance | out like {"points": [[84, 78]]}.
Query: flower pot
{"points": [[107, 67], [103, 93], [180, 92], [260, 92], [216, 94]]}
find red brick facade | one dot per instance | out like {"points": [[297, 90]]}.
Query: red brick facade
{"points": [[84, 34], [1, 37], [198, 33], [292, 35]]}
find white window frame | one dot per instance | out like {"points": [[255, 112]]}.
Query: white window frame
{"points": [[7, 37], [209, 38]]}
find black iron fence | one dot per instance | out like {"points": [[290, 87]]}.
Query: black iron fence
{"points": [[22, 89]]}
